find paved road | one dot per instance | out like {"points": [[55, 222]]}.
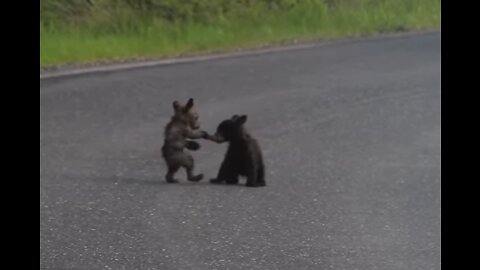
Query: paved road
{"points": [[351, 139]]}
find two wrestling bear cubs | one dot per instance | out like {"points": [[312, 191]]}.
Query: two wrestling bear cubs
{"points": [[243, 157]]}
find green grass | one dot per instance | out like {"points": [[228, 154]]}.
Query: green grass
{"points": [[127, 35]]}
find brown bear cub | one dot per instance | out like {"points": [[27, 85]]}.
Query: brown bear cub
{"points": [[179, 132], [243, 156]]}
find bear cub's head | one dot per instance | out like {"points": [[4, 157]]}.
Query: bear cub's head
{"points": [[231, 129], [186, 114]]}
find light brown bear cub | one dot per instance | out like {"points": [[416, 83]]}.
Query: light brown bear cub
{"points": [[179, 133]]}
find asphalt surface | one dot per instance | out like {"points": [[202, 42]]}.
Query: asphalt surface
{"points": [[351, 139]]}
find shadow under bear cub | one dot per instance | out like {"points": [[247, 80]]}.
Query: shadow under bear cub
{"points": [[243, 156]]}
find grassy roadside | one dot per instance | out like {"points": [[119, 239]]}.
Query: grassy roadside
{"points": [[126, 34]]}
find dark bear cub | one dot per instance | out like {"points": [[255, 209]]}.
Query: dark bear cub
{"points": [[243, 157]]}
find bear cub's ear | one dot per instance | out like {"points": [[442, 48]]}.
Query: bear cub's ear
{"points": [[240, 120], [176, 106], [189, 105]]}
